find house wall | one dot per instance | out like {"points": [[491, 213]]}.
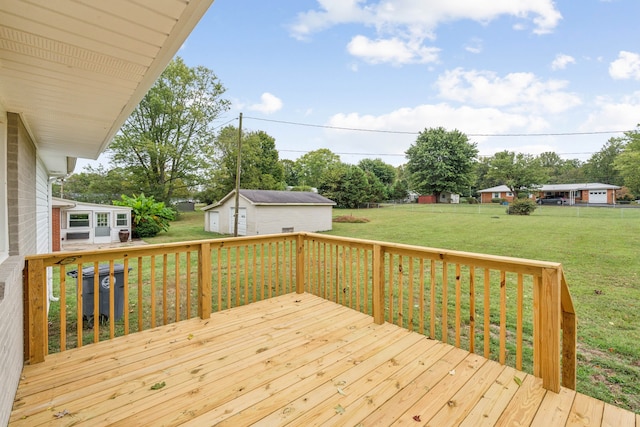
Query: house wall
{"points": [[272, 219], [487, 197], [265, 219], [91, 210], [21, 208]]}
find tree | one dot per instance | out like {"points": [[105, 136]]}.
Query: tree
{"points": [[311, 166], [164, 143], [441, 161], [346, 185], [148, 216], [385, 172], [600, 166], [290, 172], [260, 168], [627, 164], [558, 170], [95, 185], [520, 172]]}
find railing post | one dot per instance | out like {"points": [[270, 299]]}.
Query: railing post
{"points": [[300, 238], [35, 311], [204, 280], [569, 338], [378, 284], [547, 342]]}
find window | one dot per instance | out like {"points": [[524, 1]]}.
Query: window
{"points": [[509, 194], [78, 220], [122, 220], [102, 219], [496, 195]]}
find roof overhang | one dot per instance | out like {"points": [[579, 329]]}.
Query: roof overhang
{"points": [[75, 71]]}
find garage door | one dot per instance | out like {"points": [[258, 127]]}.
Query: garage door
{"points": [[242, 221], [599, 196], [213, 222]]}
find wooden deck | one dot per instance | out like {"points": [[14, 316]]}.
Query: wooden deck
{"points": [[296, 359]]}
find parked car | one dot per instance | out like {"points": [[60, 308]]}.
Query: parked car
{"points": [[552, 201]]}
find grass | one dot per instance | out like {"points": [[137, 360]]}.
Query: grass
{"points": [[598, 248]]}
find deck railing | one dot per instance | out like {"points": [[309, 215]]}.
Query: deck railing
{"points": [[516, 311]]}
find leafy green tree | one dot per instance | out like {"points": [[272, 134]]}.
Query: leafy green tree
{"points": [[482, 178], [385, 172], [378, 191], [399, 190], [600, 166], [95, 185], [558, 170], [520, 172], [311, 166], [148, 216], [627, 164], [290, 172], [260, 168], [346, 185], [441, 161], [164, 143]]}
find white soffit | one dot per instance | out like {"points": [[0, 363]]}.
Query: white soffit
{"points": [[75, 69]]}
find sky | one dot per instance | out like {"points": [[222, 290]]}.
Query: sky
{"points": [[521, 75]]}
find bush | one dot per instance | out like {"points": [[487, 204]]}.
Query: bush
{"points": [[498, 200], [472, 200], [522, 207], [146, 229]]}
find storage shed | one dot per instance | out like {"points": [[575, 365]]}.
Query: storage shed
{"points": [[269, 212], [79, 222]]}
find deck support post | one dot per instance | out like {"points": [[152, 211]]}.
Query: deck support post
{"points": [[569, 338], [378, 284], [547, 313], [35, 311], [204, 280], [300, 238]]}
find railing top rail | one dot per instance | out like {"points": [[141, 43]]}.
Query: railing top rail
{"points": [[86, 256], [517, 265]]}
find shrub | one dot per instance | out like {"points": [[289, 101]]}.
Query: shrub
{"points": [[152, 216], [472, 200], [146, 229], [522, 207], [498, 200]]}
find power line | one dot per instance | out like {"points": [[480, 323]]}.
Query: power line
{"points": [[416, 133]]}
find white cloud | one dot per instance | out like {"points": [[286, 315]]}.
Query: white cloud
{"points": [[269, 104], [516, 91], [422, 16], [406, 24], [561, 61], [612, 114], [627, 66], [474, 45], [394, 51]]}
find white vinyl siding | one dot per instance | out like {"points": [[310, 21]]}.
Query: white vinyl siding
{"points": [[43, 216], [273, 219], [4, 221]]}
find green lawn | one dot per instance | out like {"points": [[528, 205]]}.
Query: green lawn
{"points": [[598, 247]]}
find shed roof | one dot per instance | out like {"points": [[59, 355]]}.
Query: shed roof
{"points": [[273, 197]]}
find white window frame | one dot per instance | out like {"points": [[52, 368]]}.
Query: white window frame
{"points": [[118, 219], [496, 195], [88, 214]]}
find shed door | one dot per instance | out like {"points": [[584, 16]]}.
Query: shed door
{"points": [[102, 231], [214, 224], [598, 196], [242, 220]]}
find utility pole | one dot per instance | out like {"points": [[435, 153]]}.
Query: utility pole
{"points": [[239, 159]]}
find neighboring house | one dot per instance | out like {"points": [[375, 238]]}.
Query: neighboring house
{"points": [[499, 192], [81, 222], [590, 193], [70, 75], [445, 197], [269, 212]]}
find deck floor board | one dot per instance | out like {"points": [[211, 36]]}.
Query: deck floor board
{"points": [[296, 360]]}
